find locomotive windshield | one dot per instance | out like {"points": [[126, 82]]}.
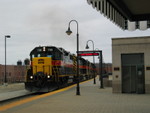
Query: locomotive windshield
{"points": [[41, 54], [46, 52]]}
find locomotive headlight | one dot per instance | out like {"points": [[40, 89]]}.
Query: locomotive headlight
{"points": [[31, 77], [48, 76]]}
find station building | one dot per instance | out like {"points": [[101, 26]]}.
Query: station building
{"points": [[131, 65]]}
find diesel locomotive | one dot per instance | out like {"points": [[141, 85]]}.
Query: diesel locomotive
{"points": [[52, 67]]}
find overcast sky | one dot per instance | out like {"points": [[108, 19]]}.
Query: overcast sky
{"points": [[43, 22]]}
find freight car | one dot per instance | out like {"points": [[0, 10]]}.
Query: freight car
{"points": [[52, 67]]}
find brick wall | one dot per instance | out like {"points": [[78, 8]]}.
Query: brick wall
{"points": [[14, 73]]}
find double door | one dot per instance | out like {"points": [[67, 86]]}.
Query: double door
{"points": [[133, 77]]}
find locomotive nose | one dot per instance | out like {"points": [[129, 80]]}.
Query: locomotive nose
{"points": [[42, 66]]}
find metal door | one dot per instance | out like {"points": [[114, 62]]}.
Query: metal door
{"points": [[133, 73]]}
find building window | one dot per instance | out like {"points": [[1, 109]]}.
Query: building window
{"points": [[9, 74]]}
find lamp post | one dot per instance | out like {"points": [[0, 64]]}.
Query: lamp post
{"points": [[87, 47], [100, 68], [78, 78], [5, 80]]}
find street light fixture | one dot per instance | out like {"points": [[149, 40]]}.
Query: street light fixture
{"points": [[68, 31], [78, 78], [87, 47], [5, 81]]}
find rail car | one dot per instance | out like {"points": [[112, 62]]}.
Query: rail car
{"points": [[52, 67]]}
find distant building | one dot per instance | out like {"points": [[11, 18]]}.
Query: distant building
{"points": [[131, 65], [15, 73], [107, 68]]}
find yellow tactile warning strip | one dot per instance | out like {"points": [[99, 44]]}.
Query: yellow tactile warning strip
{"points": [[20, 102]]}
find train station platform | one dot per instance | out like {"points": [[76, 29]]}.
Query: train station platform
{"points": [[11, 91], [11, 87], [92, 100]]}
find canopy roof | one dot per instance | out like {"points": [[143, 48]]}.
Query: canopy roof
{"points": [[127, 14]]}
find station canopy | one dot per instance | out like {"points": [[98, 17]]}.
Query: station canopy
{"points": [[127, 14]]}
